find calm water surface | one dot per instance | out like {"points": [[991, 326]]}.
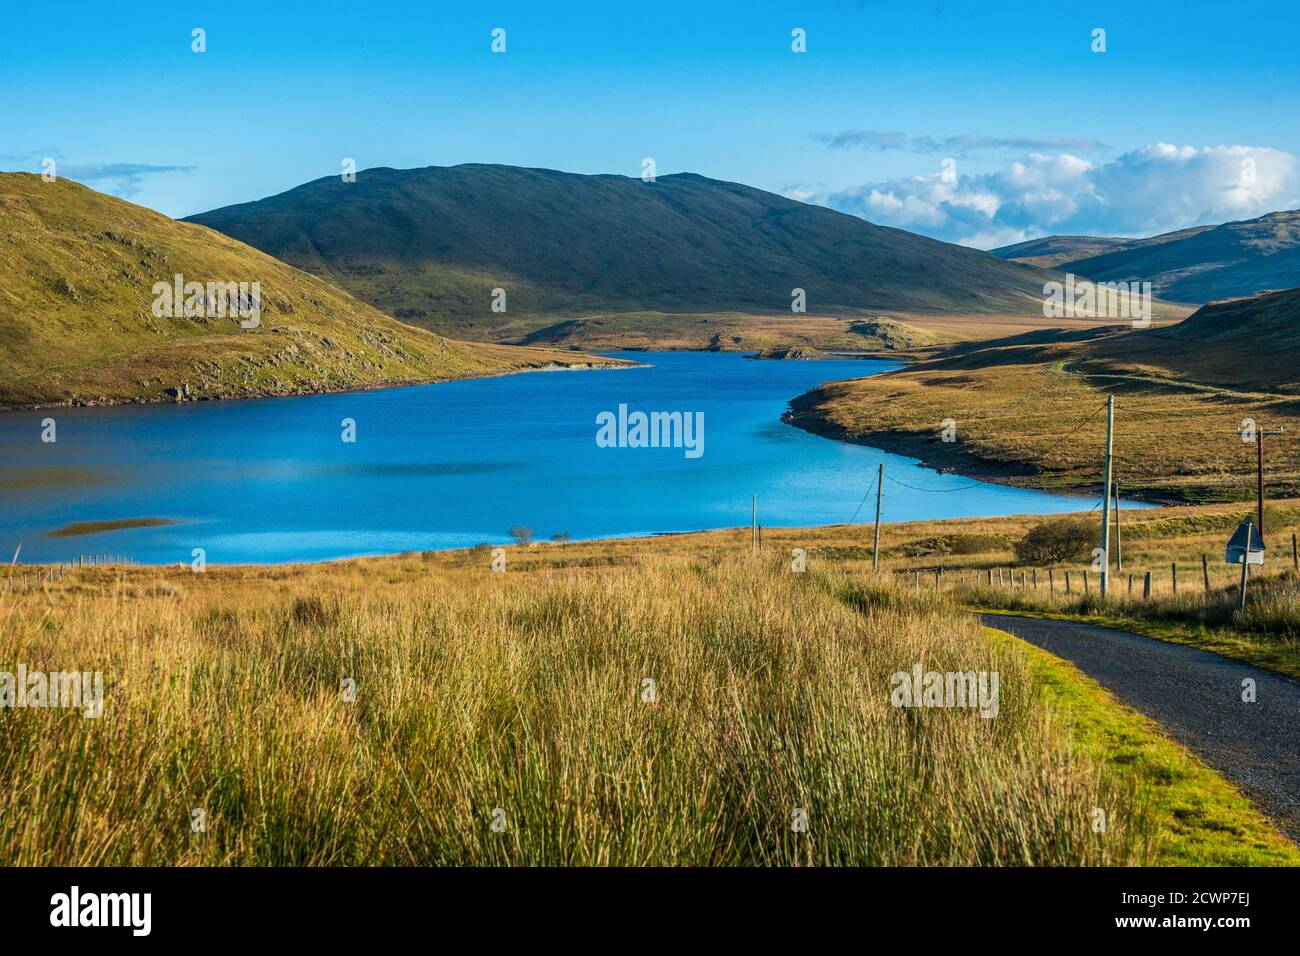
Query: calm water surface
{"points": [[456, 464]]}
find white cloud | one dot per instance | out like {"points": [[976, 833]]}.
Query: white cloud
{"points": [[961, 145], [119, 179], [800, 194], [1154, 189]]}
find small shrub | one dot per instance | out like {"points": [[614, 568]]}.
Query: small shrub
{"points": [[1056, 542]]}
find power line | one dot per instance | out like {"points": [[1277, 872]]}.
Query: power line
{"points": [[974, 484], [1084, 421], [938, 491], [863, 501]]}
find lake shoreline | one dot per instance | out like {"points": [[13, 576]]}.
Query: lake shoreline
{"points": [[807, 412], [542, 548], [585, 366]]}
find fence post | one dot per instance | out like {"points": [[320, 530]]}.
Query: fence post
{"points": [[1295, 557], [1067, 582], [1051, 581], [1085, 580], [1130, 584], [1035, 574], [1173, 569], [1146, 587], [1205, 572]]}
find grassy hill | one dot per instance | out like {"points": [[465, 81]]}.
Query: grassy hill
{"points": [[1191, 265], [1246, 344], [1029, 408], [77, 324], [429, 245]]}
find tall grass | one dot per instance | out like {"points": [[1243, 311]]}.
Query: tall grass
{"points": [[479, 692]]}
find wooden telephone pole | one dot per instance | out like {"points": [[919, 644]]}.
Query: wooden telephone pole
{"points": [[875, 545], [1259, 472], [1105, 501]]}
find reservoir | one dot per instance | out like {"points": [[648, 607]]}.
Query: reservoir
{"points": [[459, 464]]}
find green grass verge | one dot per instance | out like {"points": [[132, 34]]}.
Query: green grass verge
{"points": [[1202, 819]]}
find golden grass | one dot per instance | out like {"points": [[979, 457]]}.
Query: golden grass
{"points": [[912, 332], [77, 323], [1032, 414], [713, 331], [969, 328], [523, 692]]}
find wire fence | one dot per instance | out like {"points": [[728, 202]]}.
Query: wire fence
{"points": [[1202, 576], [30, 577]]}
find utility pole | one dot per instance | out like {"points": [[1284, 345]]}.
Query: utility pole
{"points": [[1259, 472], [1105, 501], [875, 546]]}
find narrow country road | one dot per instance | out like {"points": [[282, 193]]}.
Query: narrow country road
{"points": [[1197, 697]]}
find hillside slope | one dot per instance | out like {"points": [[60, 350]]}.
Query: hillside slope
{"points": [[1050, 251], [1247, 344], [1029, 409], [429, 246], [77, 322], [1193, 265]]}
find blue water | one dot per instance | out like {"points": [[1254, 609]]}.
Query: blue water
{"points": [[457, 464]]}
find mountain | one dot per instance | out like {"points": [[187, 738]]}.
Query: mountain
{"points": [[1193, 265], [429, 246], [78, 321]]}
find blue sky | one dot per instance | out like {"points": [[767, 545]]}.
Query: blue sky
{"points": [[1044, 134]]}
